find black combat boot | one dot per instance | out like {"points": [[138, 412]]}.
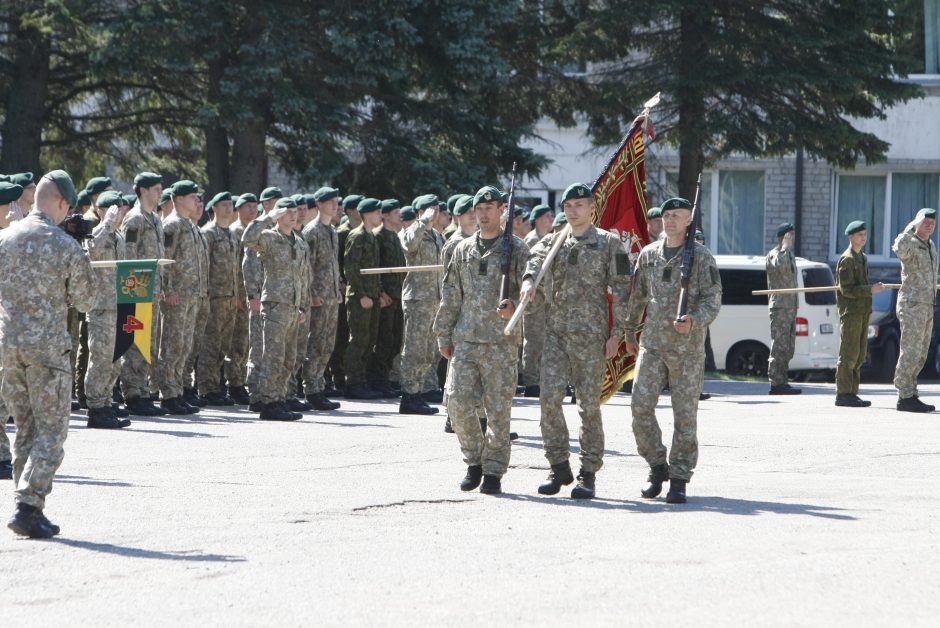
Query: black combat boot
{"points": [[176, 405], [532, 391], [654, 483], [585, 487], [102, 419], [473, 477], [6, 470], [239, 394], [849, 401], [192, 398], [559, 476], [491, 485], [676, 494], [143, 407], [926, 406], [296, 405], [862, 403], [414, 404], [275, 411], [433, 396], [29, 521], [318, 401], [361, 391], [909, 404], [118, 411], [784, 389], [448, 428]]}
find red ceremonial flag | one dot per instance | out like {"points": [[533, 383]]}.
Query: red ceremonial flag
{"points": [[621, 203]]}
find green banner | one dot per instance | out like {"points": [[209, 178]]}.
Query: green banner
{"points": [[135, 280]]}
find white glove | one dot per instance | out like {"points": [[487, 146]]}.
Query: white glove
{"points": [[915, 224], [276, 212], [111, 216], [429, 213]]}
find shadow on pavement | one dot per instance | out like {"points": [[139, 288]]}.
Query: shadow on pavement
{"points": [[178, 433], [351, 424], [135, 552], [535, 442], [81, 479], [705, 503], [193, 419]]}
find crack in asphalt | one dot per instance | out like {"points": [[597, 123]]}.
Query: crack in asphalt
{"points": [[411, 501]]}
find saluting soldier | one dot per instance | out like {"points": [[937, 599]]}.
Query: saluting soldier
{"points": [[254, 281], [469, 331], [236, 368], [142, 230], [781, 273], [916, 298], [670, 351], [577, 344], [536, 315], [391, 317], [853, 300]]}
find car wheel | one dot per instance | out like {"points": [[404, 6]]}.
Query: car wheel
{"points": [[748, 358], [888, 360]]}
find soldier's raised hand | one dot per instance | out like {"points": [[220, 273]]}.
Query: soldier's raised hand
{"points": [[430, 213], [111, 215]]}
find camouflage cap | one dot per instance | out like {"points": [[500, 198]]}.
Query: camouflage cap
{"points": [[423, 202], [147, 180], [783, 228], [675, 203], [63, 181], [109, 198], [184, 187], [271, 193], [97, 185], [9, 192], [390, 204], [576, 191], [352, 201], [855, 226], [463, 205], [538, 211], [408, 213], [560, 219], [325, 193], [245, 198], [487, 194], [23, 179], [368, 205]]}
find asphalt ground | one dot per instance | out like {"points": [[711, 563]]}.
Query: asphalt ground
{"points": [[799, 514]]}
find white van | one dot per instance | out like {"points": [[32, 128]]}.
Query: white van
{"points": [[740, 335]]}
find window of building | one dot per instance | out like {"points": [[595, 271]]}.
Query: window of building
{"points": [[919, 21], [909, 193]]}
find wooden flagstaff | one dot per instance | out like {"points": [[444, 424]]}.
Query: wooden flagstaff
{"points": [[895, 286], [402, 269], [110, 263]]}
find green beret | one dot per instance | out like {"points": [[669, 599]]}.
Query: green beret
{"points": [[560, 219], [22, 179], [109, 198], [129, 199], [271, 193], [83, 200], [344, 220], [538, 211], [221, 196], [97, 185], [855, 226], [166, 196], [310, 200], [285, 201], [783, 228], [463, 205], [63, 181], [452, 202], [487, 194], [326, 193], [408, 213], [526, 212], [9, 192], [184, 187], [245, 198], [367, 205], [352, 201], [575, 191], [519, 210], [147, 180], [299, 199], [675, 203], [927, 212], [389, 205], [423, 202], [654, 212]]}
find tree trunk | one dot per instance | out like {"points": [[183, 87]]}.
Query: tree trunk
{"points": [[217, 155], [691, 96], [249, 163], [22, 128]]}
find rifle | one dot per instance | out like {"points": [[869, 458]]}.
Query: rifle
{"points": [[505, 263], [688, 255]]}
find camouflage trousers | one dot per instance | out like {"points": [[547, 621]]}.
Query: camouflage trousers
{"points": [[301, 339], [336, 366], [319, 346], [388, 343], [419, 347], [103, 370], [853, 347], [176, 341], [216, 344], [136, 371], [279, 351], [782, 343], [236, 366], [199, 337], [255, 348], [80, 344], [533, 341], [577, 358], [685, 374], [6, 454], [916, 328], [487, 373], [363, 332], [37, 388]]}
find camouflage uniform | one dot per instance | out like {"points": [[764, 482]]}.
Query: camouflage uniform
{"points": [[781, 273], [326, 284], [302, 333], [447, 254], [183, 243], [222, 277], [391, 318], [853, 301], [285, 294], [201, 318], [253, 274], [143, 238], [916, 300], [586, 266], [51, 271], [6, 454], [421, 294], [666, 356], [484, 361], [534, 324], [103, 370], [362, 251], [237, 364]]}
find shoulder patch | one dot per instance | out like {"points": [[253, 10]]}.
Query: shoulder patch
{"points": [[623, 264], [167, 240], [131, 236], [716, 276]]}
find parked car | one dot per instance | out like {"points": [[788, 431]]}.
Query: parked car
{"points": [[740, 335], [884, 339]]}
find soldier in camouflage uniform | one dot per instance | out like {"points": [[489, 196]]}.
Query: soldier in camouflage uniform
{"points": [[671, 351], [781, 273], [51, 272], [536, 315], [421, 295], [190, 396], [654, 223], [236, 367], [182, 285], [325, 296], [590, 262], [217, 342], [853, 300], [285, 297], [918, 254], [103, 370], [469, 332]]}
